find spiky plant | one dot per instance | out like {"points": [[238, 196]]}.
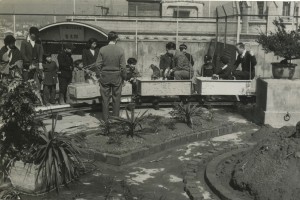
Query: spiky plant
{"points": [[186, 112], [131, 122], [57, 157]]}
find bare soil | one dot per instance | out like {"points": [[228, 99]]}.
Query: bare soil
{"points": [[270, 171]]}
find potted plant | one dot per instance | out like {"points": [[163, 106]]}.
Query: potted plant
{"points": [[35, 160], [282, 43]]}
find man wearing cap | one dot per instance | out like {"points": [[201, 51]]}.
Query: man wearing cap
{"points": [[32, 54], [183, 49], [112, 67], [65, 62]]}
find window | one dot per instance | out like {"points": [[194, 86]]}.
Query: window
{"points": [[260, 9], [67, 36], [181, 13], [286, 8]]}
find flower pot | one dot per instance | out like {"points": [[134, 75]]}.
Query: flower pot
{"points": [[284, 71], [24, 177]]}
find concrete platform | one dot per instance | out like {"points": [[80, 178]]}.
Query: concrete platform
{"points": [[277, 102]]}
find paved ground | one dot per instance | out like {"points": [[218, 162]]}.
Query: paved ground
{"points": [[157, 176]]}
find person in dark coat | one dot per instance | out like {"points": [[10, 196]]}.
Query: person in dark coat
{"points": [[182, 67], [65, 63], [165, 64], [112, 67], [89, 54], [11, 61], [207, 68], [32, 53], [226, 71], [183, 49], [50, 80], [247, 60]]}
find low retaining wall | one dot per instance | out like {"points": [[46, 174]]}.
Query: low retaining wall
{"points": [[119, 160]]}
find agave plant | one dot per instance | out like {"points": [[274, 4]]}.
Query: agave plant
{"points": [[57, 157], [131, 122], [186, 112]]}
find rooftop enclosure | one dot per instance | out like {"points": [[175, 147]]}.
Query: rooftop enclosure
{"points": [[145, 37]]}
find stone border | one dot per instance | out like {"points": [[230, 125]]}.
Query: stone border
{"points": [[122, 159], [212, 180], [191, 170]]}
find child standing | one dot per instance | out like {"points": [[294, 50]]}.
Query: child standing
{"points": [[78, 75], [50, 79]]}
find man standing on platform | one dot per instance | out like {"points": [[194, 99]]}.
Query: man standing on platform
{"points": [[112, 66], [183, 49], [247, 60], [32, 53], [182, 67]]}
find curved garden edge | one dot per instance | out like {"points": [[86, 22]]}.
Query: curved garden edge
{"points": [[212, 180], [122, 159]]}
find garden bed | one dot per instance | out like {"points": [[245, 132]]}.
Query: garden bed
{"points": [[158, 133]]}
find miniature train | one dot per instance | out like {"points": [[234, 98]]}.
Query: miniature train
{"points": [[157, 89]]}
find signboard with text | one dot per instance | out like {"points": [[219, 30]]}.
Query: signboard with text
{"points": [[70, 32]]}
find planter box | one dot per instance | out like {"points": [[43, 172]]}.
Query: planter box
{"points": [[277, 102], [24, 178]]}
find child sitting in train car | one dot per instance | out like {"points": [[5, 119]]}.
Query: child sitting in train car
{"points": [[205, 71], [207, 68], [78, 74], [224, 72], [50, 70], [132, 73]]}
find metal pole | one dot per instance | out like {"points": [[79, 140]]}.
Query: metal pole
{"points": [[238, 32], [136, 33], [14, 17], [177, 26], [74, 9], [225, 38]]}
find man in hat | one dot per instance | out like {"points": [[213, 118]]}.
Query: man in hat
{"points": [[65, 62], [32, 53], [112, 67], [247, 60], [183, 49], [182, 68]]}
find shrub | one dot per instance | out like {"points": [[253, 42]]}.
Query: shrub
{"points": [[283, 43], [20, 129]]}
